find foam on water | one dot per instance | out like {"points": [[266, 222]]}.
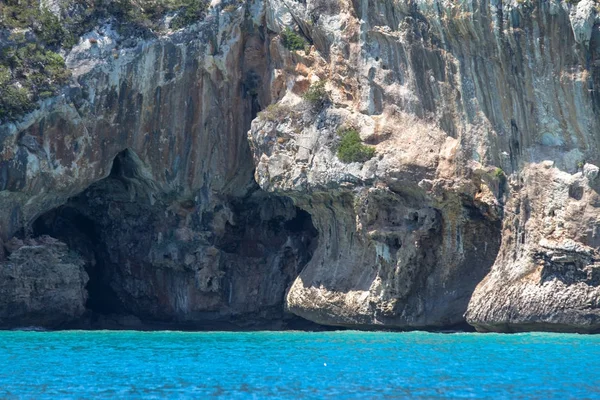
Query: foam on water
{"points": [[301, 365]]}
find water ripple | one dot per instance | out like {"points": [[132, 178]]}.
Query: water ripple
{"points": [[298, 365]]}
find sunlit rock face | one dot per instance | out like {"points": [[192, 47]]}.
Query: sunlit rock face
{"points": [[198, 184], [483, 116], [546, 276]]}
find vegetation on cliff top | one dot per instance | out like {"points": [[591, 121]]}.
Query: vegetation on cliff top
{"points": [[275, 112], [28, 72], [74, 17], [31, 67]]}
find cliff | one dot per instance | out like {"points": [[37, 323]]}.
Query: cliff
{"points": [[142, 166], [199, 174]]}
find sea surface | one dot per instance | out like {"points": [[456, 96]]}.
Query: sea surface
{"points": [[297, 365]]}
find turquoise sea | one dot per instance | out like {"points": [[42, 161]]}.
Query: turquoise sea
{"points": [[297, 365]]}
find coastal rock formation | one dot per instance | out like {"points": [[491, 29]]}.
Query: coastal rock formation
{"points": [[143, 167], [405, 237], [41, 284], [199, 175], [455, 97], [398, 246], [547, 275]]}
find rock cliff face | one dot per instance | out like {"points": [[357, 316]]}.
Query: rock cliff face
{"points": [[455, 97], [143, 167], [200, 187], [546, 275], [41, 283]]}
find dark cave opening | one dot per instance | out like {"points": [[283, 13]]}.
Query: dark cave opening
{"points": [[135, 260], [81, 234], [126, 167], [302, 225], [77, 225], [302, 222]]}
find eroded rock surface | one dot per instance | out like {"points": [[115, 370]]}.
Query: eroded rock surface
{"points": [[390, 252], [42, 283], [479, 205], [455, 98], [172, 264], [143, 167], [547, 275]]}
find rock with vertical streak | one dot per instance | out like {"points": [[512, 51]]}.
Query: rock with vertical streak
{"points": [[547, 274], [477, 111], [200, 185], [142, 166], [582, 17]]}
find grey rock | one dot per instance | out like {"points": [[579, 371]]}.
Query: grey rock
{"points": [[142, 167], [590, 171], [473, 208], [546, 274], [42, 283], [439, 102]]}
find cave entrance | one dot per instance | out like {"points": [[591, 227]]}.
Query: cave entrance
{"points": [[81, 234], [82, 224], [145, 250], [302, 222]]}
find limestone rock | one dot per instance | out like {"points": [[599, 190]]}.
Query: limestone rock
{"points": [[590, 171], [480, 114], [42, 283], [142, 166], [460, 116], [582, 20], [546, 276]]}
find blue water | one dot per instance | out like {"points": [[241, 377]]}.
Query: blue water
{"points": [[297, 365]]}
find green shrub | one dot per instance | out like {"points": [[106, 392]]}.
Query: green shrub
{"points": [[28, 73], [4, 75], [291, 40], [351, 148], [18, 13], [30, 64], [191, 11], [14, 101], [50, 30], [146, 14], [316, 93], [139, 17], [500, 175]]}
